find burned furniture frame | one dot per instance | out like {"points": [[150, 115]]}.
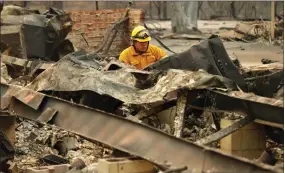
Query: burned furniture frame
{"points": [[125, 135]]}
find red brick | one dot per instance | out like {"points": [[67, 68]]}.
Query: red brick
{"points": [[95, 24], [76, 18], [86, 12]]}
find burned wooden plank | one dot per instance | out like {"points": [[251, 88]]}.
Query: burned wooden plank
{"points": [[146, 113], [225, 131], [6, 149], [263, 67], [7, 125], [269, 123], [266, 85], [245, 29], [128, 136], [54, 159], [180, 113], [267, 157]]}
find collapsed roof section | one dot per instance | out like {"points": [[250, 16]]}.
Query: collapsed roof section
{"points": [[123, 134]]}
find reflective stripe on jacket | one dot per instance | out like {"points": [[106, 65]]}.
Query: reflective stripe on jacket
{"points": [[140, 61]]}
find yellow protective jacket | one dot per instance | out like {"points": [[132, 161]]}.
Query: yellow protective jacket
{"points": [[140, 61]]}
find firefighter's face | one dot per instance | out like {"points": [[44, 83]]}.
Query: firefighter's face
{"points": [[141, 46]]}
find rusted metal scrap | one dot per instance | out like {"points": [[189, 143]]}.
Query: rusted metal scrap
{"points": [[120, 84], [134, 138], [209, 55], [14, 61]]}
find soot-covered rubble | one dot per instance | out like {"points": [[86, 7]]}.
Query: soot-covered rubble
{"points": [[35, 140]]}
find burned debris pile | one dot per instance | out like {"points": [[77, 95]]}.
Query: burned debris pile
{"points": [[115, 89], [79, 110], [36, 143]]}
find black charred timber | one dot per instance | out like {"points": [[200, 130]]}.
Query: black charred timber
{"points": [[146, 113], [226, 131], [267, 157], [102, 102], [267, 61], [144, 81], [53, 159], [265, 85], [119, 153], [6, 151], [276, 134]]}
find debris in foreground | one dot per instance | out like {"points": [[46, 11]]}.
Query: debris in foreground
{"points": [[30, 151], [132, 137]]}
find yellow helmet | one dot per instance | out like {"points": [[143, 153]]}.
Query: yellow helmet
{"points": [[140, 34]]}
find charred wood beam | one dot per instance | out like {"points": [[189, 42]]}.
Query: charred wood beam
{"points": [[82, 35], [278, 125], [6, 151], [154, 110], [266, 85], [265, 76], [267, 157], [226, 131], [263, 67], [111, 33], [114, 33], [180, 113], [128, 136], [23, 45]]}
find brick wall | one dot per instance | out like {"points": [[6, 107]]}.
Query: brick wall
{"points": [[94, 24]]}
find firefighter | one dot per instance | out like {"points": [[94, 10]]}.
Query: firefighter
{"points": [[141, 54]]}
